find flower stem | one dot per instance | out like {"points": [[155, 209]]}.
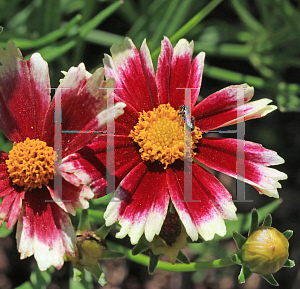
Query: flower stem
{"points": [[194, 266]]}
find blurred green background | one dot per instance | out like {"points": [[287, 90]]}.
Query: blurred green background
{"points": [[253, 41]]}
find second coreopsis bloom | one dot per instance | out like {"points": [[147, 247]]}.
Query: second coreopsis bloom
{"points": [[150, 149], [27, 172]]}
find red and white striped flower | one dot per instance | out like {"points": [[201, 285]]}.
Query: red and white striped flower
{"points": [[149, 144], [27, 171]]}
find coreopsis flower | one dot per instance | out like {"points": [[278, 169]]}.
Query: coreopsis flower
{"points": [[27, 172], [149, 144]]}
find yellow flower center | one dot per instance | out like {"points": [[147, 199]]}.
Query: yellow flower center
{"points": [[161, 135], [31, 164]]}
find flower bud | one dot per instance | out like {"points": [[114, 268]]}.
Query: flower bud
{"points": [[265, 251]]}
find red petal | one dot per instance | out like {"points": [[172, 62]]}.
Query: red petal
{"points": [[44, 230], [196, 77], [210, 203], [140, 203], [221, 155], [164, 70], [221, 107], [24, 94], [180, 72], [127, 67], [149, 74]]}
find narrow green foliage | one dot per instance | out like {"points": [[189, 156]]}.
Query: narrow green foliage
{"points": [[244, 275], [267, 221], [152, 263], [239, 239], [270, 279], [183, 258], [288, 234], [254, 222]]}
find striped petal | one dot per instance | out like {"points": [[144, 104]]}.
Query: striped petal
{"points": [[221, 154], [24, 94], [180, 72], [229, 106], [140, 203], [44, 230], [210, 204], [164, 70], [125, 66]]}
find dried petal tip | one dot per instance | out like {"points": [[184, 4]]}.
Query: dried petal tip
{"points": [[265, 251]]}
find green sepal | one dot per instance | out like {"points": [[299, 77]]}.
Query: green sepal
{"points": [[288, 234], [152, 263], [289, 263], [78, 273], [141, 246], [200, 240], [107, 254], [97, 272], [270, 278], [254, 222], [267, 221], [102, 231], [244, 274], [239, 239], [183, 258], [84, 222], [236, 259]]}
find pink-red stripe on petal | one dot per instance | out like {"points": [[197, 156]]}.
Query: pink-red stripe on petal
{"points": [[10, 209], [180, 72], [44, 230], [251, 110], [221, 154], [222, 101], [196, 77], [68, 89], [120, 88], [148, 70], [24, 94], [205, 212], [163, 72], [127, 61]]}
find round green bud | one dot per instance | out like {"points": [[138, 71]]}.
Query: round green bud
{"points": [[265, 251]]}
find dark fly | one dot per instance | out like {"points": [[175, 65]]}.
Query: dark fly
{"points": [[185, 114]]}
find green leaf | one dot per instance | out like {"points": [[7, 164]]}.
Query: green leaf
{"points": [[254, 222], [267, 221], [152, 262], [97, 272], [100, 17], [24, 43], [289, 263], [244, 275], [239, 239], [78, 273], [244, 220], [183, 258], [270, 278], [141, 246], [191, 24], [288, 234], [236, 258]]}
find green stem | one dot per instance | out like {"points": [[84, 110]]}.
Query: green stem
{"points": [[194, 266]]}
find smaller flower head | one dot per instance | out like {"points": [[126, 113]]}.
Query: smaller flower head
{"points": [[264, 252]]}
